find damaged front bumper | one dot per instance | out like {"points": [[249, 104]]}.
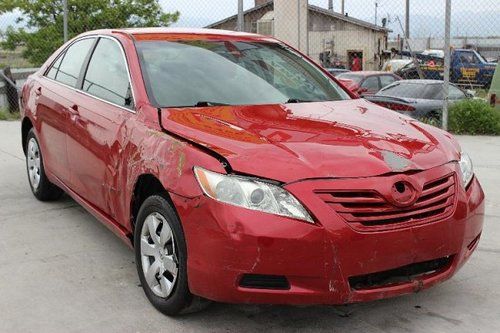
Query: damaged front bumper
{"points": [[240, 256]]}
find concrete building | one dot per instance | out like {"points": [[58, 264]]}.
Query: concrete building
{"points": [[315, 31]]}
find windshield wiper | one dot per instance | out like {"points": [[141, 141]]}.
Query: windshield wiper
{"points": [[207, 103], [296, 100]]}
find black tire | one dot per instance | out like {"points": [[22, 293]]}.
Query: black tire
{"points": [[180, 301], [45, 191]]}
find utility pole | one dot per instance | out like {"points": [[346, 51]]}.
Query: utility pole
{"points": [[330, 5], [376, 11], [407, 20], [447, 60], [342, 7], [241, 18], [65, 20]]}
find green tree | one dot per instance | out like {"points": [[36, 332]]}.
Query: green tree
{"points": [[42, 21]]}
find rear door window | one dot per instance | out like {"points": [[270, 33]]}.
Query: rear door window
{"points": [[67, 68], [107, 75], [52, 73]]}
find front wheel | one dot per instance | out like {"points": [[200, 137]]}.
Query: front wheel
{"points": [[161, 258], [40, 185]]}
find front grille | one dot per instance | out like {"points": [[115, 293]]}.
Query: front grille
{"points": [[367, 208], [400, 275]]}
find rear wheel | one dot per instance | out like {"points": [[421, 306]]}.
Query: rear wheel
{"points": [[40, 185], [161, 258]]}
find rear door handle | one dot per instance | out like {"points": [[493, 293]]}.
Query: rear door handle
{"points": [[73, 110]]}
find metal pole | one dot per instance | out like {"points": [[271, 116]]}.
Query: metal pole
{"points": [[241, 18], [342, 7], [298, 25], [376, 9], [65, 20], [330, 5], [447, 59], [407, 19]]}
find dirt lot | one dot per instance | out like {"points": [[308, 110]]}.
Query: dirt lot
{"points": [[62, 271]]}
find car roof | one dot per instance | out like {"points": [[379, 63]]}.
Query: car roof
{"points": [[152, 32]]}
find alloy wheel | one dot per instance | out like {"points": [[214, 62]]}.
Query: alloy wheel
{"points": [[34, 163], [158, 255]]}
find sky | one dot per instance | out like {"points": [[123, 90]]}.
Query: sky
{"points": [[427, 16]]}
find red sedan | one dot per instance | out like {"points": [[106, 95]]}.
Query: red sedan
{"points": [[240, 171], [366, 83]]}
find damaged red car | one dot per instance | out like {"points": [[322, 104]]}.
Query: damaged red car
{"points": [[240, 171]]}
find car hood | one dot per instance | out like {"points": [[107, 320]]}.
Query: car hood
{"points": [[352, 138]]}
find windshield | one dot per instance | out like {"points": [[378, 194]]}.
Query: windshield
{"points": [[480, 56], [206, 73]]}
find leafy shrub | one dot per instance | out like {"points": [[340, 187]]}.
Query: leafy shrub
{"points": [[474, 117]]}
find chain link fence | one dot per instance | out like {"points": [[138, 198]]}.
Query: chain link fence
{"points": [[405, 37]]}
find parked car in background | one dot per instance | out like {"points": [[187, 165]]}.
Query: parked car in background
{"points": [[394, 65], [494, 93], [365, 83], [417, 98], [337, 71], [248, 184]]}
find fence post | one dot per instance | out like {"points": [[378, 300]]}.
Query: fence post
{"points": [[241, 18], [10, 90], [65, 20], [447, 58]]}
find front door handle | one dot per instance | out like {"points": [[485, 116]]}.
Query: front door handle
{"points": [[38, 91]]}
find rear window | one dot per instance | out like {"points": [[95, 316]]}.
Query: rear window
{"points": [[410, 90], [187, 73]]}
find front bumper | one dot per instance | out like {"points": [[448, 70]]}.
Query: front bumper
{"points": [[319, 261]]}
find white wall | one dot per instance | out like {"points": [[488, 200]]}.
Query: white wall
{"points": [[347, 40]]}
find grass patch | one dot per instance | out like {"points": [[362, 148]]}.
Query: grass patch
{"points": [[13, 59], [6, 115]]}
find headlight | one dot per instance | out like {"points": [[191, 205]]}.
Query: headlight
{"points": [[466, 169], [251, 194]]}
